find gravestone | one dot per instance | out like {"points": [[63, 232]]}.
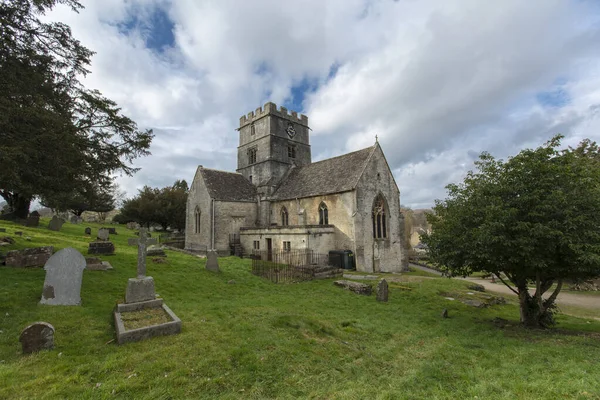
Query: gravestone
{"points": [[96, 264], [358, 288], [133, 225], [382, 291], [445, 313], [141, 288], [2, 229], [35, 213], [155, 251], [64, 273], [36, 337], [32, 221], [56, 223], [75, 219], [101, 248], [102, 234], [112, 231], [35, 257], [212, 263], [88, 231], [19, 233]]}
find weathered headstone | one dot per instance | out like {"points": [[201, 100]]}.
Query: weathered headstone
{"points": [[141, 288], [35, 257], [112, 231], [101, 248], [64, 273], [155, 251], [133, 225], [102, 234], [445, 313], [382, 291], [32, 221], [212, 263], [56, 223], [96, 264], [88, 231], [75, 219], [36, 337], [35, 213]]}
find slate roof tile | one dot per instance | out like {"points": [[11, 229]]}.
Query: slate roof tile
{"points": [[228, 186]]}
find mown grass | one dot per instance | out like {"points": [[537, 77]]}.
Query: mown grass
{"points": [[256, 339]]}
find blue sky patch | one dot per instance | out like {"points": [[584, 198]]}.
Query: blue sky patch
{"points": [[154, 25], [558, 97]]}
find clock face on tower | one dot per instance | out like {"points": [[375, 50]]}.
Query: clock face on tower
{"points": [[290, 130]]}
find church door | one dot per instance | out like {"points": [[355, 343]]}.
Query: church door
{"points": [[269, 250]]}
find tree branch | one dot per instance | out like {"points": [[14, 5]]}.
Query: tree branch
{"points": [[548, 302], [507, 285]]}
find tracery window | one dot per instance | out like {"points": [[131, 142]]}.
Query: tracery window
{"points": [[323, 214], [291, 151], [284, 216], [197, 214], [379, 220]]}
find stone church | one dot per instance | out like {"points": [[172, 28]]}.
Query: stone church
{"points": [[279, 200]]}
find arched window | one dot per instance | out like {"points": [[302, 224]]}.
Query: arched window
{"points": [[284, 216], [323, 214], [379, 220], [197, 215]]}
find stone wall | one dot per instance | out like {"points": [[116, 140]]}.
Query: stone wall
{"points": [[320, 239], [373, 255], [229, 218], [306, 212], [198, 197]]}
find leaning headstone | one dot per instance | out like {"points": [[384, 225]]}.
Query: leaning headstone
{"points": [[101, 248], [102, 234], [32, 221], [56, 223], [88, 231], [36, 337], [212, 263], [382, 291], [64, 273], [35, 257]]}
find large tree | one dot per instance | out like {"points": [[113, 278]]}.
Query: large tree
{"points": [[57, 136], [534, 219]]}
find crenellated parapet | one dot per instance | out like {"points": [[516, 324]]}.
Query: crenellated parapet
{"points": [[271, 108]]}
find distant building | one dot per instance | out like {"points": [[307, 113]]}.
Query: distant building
{"points": [[279, 200]]}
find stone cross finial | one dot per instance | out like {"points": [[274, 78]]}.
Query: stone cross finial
{"points": [[142, 242], [376, 139]]}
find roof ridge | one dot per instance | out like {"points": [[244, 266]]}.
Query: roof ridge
{"points": [[341, 155], [220, 170]]}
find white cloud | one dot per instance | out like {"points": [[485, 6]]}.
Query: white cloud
{"points": [[436, 81]]}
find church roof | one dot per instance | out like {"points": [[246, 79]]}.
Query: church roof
{"points": [[333, 175], [227, 186]]}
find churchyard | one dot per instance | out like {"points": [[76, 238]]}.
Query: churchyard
{"points": [[245, 337]]}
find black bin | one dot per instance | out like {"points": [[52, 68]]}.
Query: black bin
{"points": [[342, 259]]}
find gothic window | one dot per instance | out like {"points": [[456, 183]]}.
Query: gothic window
{"points": [[257, 245], [252, 130], [379, 220], [252, 156], [291, 151], [323, 214], [197, 215], [287, 246], [284, 216]]}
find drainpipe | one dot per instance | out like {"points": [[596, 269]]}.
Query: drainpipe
{"points": [[213, 224]]}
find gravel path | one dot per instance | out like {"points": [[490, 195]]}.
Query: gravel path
{"points": [[566, 298]]}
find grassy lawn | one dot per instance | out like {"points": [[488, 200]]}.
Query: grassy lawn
{"points": [[256, 339]]}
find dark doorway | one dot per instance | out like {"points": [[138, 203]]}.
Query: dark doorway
{"points": [[269, 250]]}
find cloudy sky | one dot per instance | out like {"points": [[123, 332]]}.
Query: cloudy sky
{"points": [[438, 82]]}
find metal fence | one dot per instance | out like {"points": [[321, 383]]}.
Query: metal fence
{"points": [[176, 240], [287, 266]]}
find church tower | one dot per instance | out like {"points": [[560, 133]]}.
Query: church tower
{"points": [[271, 142]]}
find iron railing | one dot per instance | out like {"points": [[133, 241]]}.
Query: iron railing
{"points": [[287, 266]]}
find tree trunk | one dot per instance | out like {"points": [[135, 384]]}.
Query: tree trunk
{"points": [[533, 313], [18, 204]]}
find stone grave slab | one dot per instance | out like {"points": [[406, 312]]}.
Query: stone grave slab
{"points": [[56, 223], [37, 336], [212, 262], [64, 273], [106, 248], [96, 264], [358, 288], [102, 234], [33, 257], [382, 291], [155, 251]]}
